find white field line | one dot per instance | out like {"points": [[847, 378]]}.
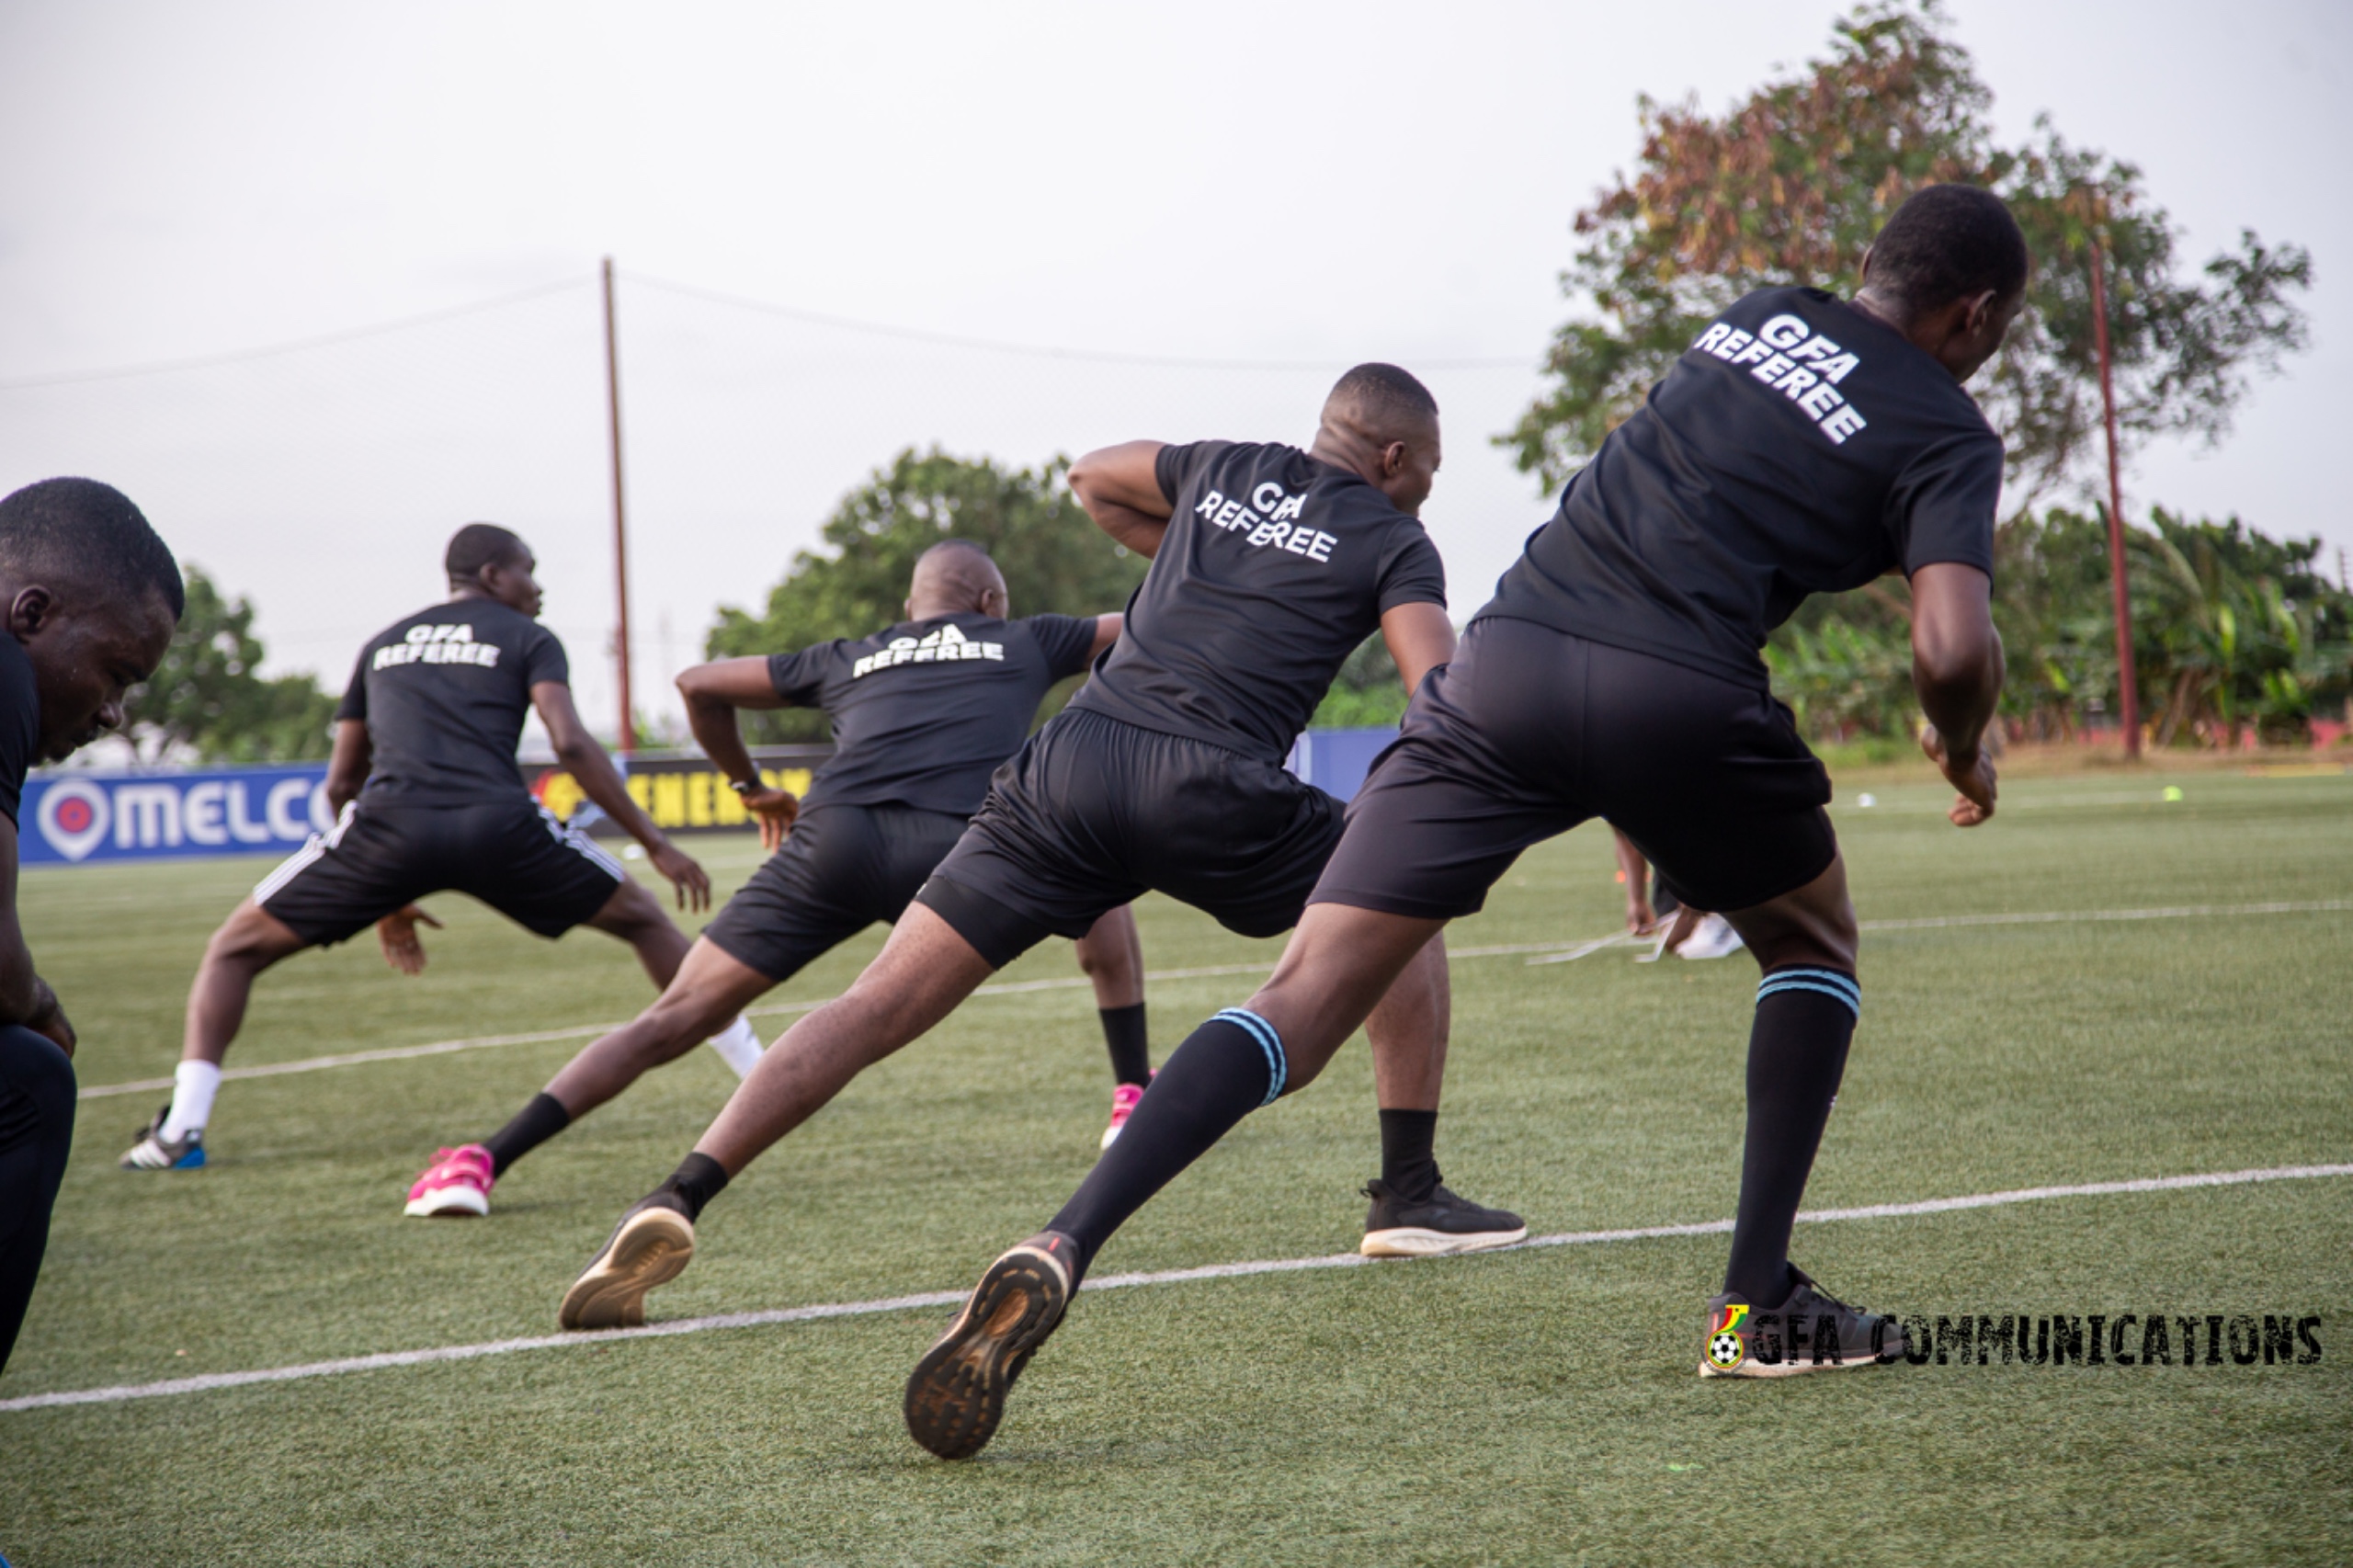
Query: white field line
{"points": [[1563, 953], [209, 1381]]}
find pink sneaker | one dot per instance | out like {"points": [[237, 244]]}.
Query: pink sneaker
{"points": [[1123, 1106], [457, 1182]]}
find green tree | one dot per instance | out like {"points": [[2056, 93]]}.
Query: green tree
{"points": [[1790, 186], [2232, 631], [206, 697], [1054, 560]]}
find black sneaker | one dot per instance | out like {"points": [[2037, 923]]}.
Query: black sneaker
{"points": [[652, 1245], [955, 1395], [1810, 1332], [1437, 1226]]}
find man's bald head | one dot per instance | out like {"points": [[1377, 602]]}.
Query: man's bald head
{"points": [[1380, 422], [956, 577]]}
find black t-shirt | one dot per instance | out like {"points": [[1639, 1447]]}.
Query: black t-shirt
{"points": [[20, 723], [444, 694], [1798, 447], [1275, 566], [925, 712]]}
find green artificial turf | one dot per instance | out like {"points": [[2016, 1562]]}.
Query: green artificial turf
{"points": [[1534, 1407]]}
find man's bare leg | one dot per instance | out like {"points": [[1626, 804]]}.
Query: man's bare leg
{"points": [[922, 973], [637, 917], [1113, 955], [706, 992], [246, 943]]}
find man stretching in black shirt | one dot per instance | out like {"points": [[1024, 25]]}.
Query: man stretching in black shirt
{"points": [[89, 596], [1802, 444], [1269, 566], [428, 727], [923, 712]]}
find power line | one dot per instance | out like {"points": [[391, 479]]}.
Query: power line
{"points": [[712, 296], [296, 345], [1091, 356]]}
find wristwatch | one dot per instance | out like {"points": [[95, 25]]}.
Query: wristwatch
{"points": [[743, 786]]}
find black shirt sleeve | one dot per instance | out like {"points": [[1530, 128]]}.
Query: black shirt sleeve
{"points": [[1942, 507], [1172, 466], [20, 723], [799, 679], [544, 659], [1068, 642], [355, 695], [1413, 574]]}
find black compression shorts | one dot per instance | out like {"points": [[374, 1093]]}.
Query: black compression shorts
{"points": [[514, 856], [1530, 732], [842, 869], [1094, 812]]}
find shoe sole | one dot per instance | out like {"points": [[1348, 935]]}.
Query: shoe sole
{"points": [[1110, 1136], [955, 1394], [1787, 1369], [449, 1202], [652, 1247], [132, 1162], [1413, 1241]]}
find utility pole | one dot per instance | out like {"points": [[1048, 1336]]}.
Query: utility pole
{"points": [[628, 732], [2128, 683]]}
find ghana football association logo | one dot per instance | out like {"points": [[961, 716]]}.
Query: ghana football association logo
{"points": [[1727, 1346]]}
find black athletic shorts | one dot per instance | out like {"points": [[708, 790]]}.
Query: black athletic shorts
{"points": [[842, 869], [1094, 812], [1530, 732], [515, 857]]}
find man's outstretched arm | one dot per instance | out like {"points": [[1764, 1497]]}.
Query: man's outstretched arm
{"points": [[577, 750], [712, 693], [1420, 638], [24, 996], [1119, 487], [1957, 670]]}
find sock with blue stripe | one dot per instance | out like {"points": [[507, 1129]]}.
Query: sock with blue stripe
{"points": [[1797, 1053], [1226, 1069]]}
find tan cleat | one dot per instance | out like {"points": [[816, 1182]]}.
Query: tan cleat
{"points": [[956, 1396], [650, 1247]]}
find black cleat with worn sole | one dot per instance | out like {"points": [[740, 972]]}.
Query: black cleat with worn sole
{"points": [[1440, 1225], [1812, 1331], [650, 1247], [956, 1396]]}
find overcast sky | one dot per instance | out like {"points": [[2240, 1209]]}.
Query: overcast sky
{"points": [[1307, 183]]}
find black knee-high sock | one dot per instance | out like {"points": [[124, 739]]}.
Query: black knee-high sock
{"points": [[1123, 1031], [1408, 1159], [1226, 1069], [533, 1125], [1797, 1052]]}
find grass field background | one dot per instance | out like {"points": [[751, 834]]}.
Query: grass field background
{"points": [[1532, 1407]]}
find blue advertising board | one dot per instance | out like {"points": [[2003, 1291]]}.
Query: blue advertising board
{"points": [[90, 818], [83, 818]]}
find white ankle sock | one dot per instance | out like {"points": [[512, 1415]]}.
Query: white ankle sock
{"points": [[193, 1086], [738, 1045]]}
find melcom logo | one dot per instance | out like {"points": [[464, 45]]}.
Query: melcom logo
{"points": [[77, 817]]}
